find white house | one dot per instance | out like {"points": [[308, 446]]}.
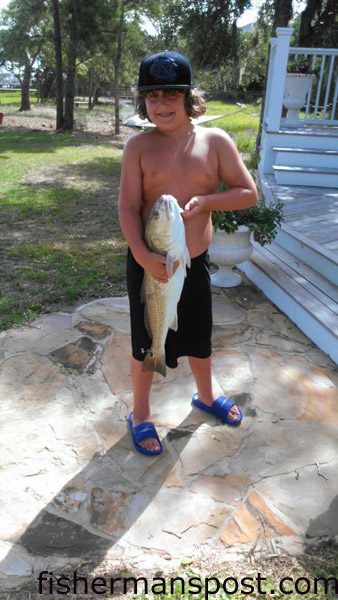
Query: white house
{"points": [[299, 165]]}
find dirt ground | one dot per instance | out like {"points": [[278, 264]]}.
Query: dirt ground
{"points": [[42, 117], [314, 562]]}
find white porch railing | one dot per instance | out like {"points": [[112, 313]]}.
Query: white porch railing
{"points": [[321, 103]]}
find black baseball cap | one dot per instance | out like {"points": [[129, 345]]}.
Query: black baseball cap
{"points": [[165, 70]]}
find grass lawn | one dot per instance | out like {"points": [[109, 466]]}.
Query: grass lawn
{"points": [[61, 242], [241, 121], [8, 96]]}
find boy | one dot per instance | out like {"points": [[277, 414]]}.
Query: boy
{"points": [[187, 161]]}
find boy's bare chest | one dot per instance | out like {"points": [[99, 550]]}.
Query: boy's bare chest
{"points": [[169, 170]]}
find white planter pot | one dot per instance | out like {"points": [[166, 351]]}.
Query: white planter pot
{"points": [[226, 250], [297, 87]]}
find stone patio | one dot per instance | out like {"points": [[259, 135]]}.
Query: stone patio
{"points": [[73, 490]]}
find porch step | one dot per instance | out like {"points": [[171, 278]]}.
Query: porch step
{"points": [[309, 252], [309, 131], [306, 157], [302, 137], [304, 296], [310, 176]]}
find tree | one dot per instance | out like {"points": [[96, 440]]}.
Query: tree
{"points": [[58, 65], [318, 24], [207, 33], [117, 64], [77, 28], [25, 25], [282, 13], [126, 15]]}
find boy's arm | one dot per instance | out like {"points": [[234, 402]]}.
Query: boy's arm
{"points": [[241, 192], [129, 212], [130, 200]]}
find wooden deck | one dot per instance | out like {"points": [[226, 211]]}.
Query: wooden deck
{"points": [[299, 270], [312, 212]]}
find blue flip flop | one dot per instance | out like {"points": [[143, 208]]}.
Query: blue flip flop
{"points": [[219, 409], [141, 432]]}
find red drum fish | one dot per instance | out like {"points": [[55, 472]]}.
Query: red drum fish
{"points": [[165, 234]]}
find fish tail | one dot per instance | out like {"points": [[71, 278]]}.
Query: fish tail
{"points": [[154, 363]]}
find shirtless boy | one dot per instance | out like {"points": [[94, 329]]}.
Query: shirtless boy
{"points": [[189, 162]]}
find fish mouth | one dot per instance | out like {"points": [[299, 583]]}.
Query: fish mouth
{"points": [[166, 207]]}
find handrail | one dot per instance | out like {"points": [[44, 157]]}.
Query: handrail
{"points": [[321, 101], [322, 95], [296, 50]]}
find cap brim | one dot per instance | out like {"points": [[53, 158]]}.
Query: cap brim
{"points": [[145, 88]]}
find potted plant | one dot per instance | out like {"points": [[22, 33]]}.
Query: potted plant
{"points": [[232, 232], [298, 83]]}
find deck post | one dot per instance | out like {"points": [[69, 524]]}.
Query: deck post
{"points": [[276, 77]]}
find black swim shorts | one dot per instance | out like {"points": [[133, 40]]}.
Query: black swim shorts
{"points": [[194, 311]]}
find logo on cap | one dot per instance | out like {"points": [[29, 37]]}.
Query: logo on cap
{"points": [[164, 68]]}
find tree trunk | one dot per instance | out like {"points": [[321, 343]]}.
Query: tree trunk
{"points": [[234, 52], [282, 13], [71, 68], [308, 21], [58, 66], [96, 94], [90, 97], [117, 70], [25, 101]]}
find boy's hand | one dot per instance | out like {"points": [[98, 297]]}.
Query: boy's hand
{"points": [[195, 205], [156, 266]]}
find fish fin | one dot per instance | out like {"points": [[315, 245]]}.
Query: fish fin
{"points": [[147, 321], [142, 293], [187, 258], [174, 324], [155, 363], [170, 264]]}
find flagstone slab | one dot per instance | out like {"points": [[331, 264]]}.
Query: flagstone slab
{"points": [[54, 322], [115, 512], [42, 336], [30, 383], [115, 361], [307, 395], [277, 323], [282, 343], [307, 498], [282, 447], [94, 330], [96, 397], [108, 312], [225, 312], [207, 446], [232, 336], [233, 371], [226, 488], [172, 520], [14, 566], [16, 341], [77, 356], [255, 519], [116, 303], [171, 404], [61, 537]]}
